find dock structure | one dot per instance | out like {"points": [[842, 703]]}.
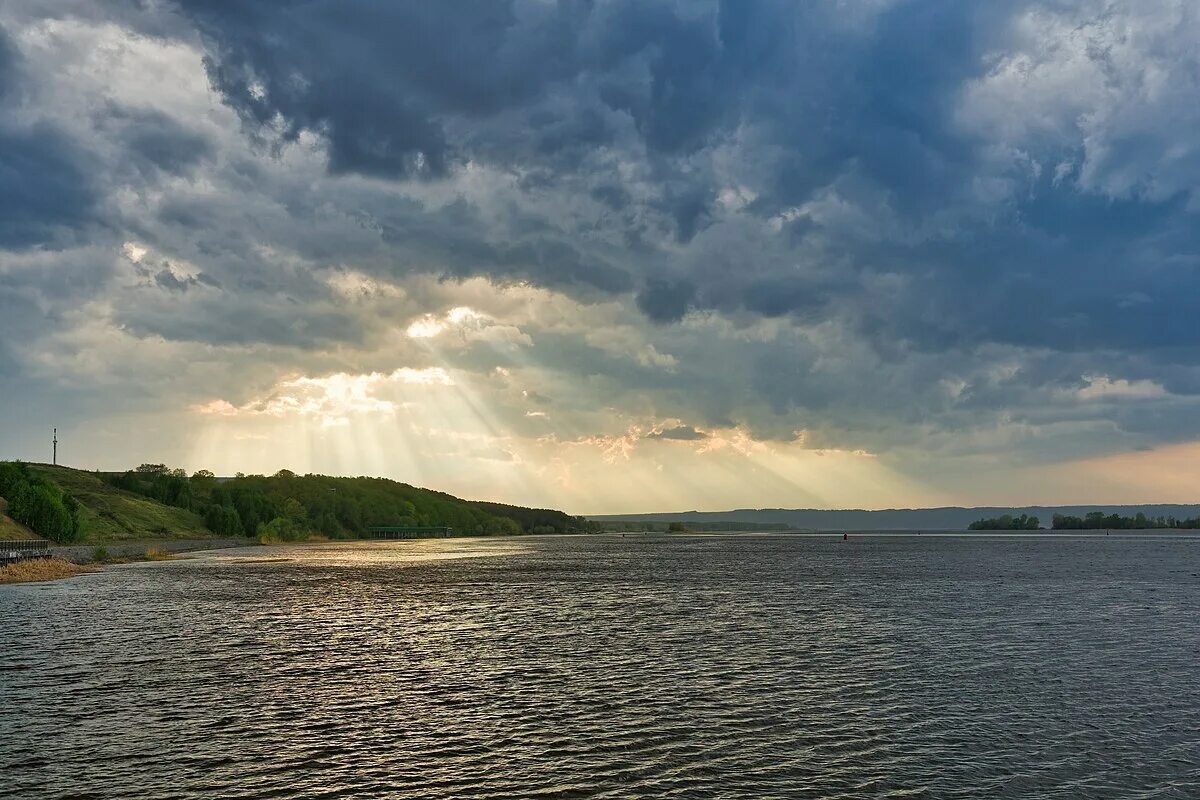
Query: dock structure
{"points": [[12, 551], [408, 532]]}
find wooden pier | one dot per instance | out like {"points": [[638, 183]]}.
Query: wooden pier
{"points": [[408, 532], [12, 551]]}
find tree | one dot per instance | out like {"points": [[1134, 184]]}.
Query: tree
{"points": [[293, 511], [203, 481], [12, 473], [44, 509], [328, 525], [280, 529], [223, 520]]}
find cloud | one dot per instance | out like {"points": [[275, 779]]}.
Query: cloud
{"points": [[156, 141], [936, 232], [664, 301], [332, 399], [45, 194], [1102, 387]]}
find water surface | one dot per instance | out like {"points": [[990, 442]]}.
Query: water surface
{"points": [[684, 666]]}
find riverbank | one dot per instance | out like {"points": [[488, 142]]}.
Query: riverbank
{"points": [[42, 569], [144, 549], [71, 561]]}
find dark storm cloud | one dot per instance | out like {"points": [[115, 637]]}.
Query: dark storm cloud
{"points": [[166, 279], [414, 88], [379, 80], [8, 66], [845, 122], [806, 95], [936, 233], [44, 187], [664, 300], [155, 140]]}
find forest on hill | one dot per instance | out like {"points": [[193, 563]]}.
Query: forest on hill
{"points": [[287, 506], [152, 501]]}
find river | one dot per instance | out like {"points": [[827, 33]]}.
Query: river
{"points": [[666, 666]]}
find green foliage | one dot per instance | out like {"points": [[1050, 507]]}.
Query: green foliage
{"points": [[281, 529], [677, 527], [203, 481], [170, 487], [108, 514], [1098, 520], [294, 512], [538, 520], [286, 506], [1007, 522], [224, 520], [39, 503]]}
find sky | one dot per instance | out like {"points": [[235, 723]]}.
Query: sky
{"points": [[610, 255]]}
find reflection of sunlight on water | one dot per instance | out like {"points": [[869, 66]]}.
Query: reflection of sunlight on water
{"points": [[360, 554]]}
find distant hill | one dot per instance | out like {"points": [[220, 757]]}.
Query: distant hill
{"points": [[949, 518]]}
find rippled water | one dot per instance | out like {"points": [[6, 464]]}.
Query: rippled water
{"points": [[699, 666]]}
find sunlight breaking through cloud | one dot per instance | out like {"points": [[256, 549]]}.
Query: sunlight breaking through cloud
{"points": [[331, 399]]}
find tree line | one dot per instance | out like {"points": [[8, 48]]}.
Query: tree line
{"points": [[1007, 522], [1098, 520], [39, 504], [288, 506], [1093, 520]]}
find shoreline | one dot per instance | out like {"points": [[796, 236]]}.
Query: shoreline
{"points": [[43, 570], [136, 549], [71, 561]]}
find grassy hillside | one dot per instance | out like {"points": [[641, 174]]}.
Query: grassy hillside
{"points": [[107, 513], [11, 530]]}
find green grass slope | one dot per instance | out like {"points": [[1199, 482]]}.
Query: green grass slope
{"points": [[110, 514], [10, 529]]}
